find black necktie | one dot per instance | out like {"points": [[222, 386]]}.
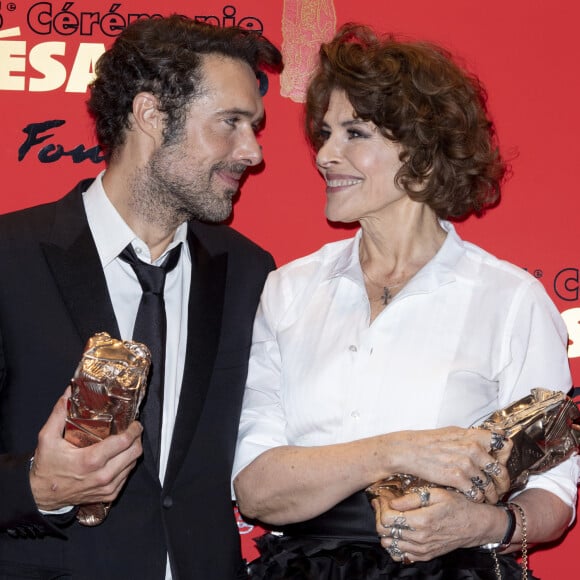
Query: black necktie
{"points": [[150, 329]]}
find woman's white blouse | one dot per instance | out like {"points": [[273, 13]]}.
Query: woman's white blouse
{"points": [[467, 335]]}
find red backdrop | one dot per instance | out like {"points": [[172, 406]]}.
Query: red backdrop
{"points": [[524, 51]]}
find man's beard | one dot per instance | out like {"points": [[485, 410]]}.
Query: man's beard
{"points": [[163, 196]]}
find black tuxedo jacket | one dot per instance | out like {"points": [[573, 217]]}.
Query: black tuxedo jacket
{"points": [[53, 297]]}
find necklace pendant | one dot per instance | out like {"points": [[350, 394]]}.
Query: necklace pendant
{"points": [[386, 297]]}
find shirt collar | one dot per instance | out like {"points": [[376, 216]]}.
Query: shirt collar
{"points": [[110, 231], [347, 262], [438, 271]]}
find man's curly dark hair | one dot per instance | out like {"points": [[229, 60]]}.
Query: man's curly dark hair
{"points": [[418, 97], [163, 56]]}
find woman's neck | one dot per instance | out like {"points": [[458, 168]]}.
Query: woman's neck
{"points": [[398, 246], [392, 251]]}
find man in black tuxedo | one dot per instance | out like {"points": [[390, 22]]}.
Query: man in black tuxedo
{"points": [[176, 106]]}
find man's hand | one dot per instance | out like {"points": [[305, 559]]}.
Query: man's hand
{"points": [[65, 475]]}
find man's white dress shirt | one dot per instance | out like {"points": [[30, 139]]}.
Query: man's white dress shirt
{"points": [[111, 235]]}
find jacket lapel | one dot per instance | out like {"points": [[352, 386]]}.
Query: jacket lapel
{"points": [[204, 325], [75, 265], [74, 261]]}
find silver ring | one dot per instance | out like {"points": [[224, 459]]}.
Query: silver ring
{"points": [[400, 521], [424, 495], [492, 469], [479, 483], [397, 533], [394, 551], [472, 493], [497, 441]]}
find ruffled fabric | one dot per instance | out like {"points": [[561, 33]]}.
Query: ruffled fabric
{"points": [[292, 558]]}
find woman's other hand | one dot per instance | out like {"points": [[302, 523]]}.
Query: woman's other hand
{"points": [[411, 533], [473, 461]]}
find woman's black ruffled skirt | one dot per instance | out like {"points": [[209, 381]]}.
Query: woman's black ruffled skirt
{"points": [[342, 544], [292, 558]]}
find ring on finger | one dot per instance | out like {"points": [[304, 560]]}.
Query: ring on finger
{"points": [[497, 441], [406, 560], [397, 533], [492, 469], [424, 495], [394, 551], [479, 483], [472, 493], [399, 521]]}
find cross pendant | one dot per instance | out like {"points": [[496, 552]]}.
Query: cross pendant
{"points": [[386, 297]]}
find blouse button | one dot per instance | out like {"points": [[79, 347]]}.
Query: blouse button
{"points": [[355, 415], [352, 348]]}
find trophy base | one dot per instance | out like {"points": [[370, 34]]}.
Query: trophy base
{"points": [[92, 514]]}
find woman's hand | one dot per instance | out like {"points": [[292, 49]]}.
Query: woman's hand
{"points": [[288, 484], [472, 461], [411, 533]]}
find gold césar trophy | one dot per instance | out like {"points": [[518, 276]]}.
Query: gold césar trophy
{"points": [[107, 389], [543, 426]]}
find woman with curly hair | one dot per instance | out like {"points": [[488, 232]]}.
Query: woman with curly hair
{"points": [[374, 355]]}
